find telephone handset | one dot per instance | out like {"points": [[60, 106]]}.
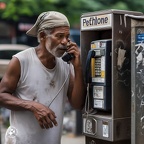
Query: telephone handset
{"points": [[90, 55], [67, 57], [98, 74]]}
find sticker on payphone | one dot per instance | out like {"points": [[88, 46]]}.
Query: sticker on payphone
{"points": [[140, 38], [105, 129], [98, 92], [98, 103]]}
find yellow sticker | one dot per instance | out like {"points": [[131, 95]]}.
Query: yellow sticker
{"points": [[102, 74], [93, 46]]}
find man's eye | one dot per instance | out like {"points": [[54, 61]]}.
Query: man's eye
{"points": [[60, 36]]}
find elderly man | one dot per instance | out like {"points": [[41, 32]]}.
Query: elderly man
{"points": [[37, 83]]}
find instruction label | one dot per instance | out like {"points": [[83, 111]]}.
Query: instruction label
{"points": [[105, 129]]}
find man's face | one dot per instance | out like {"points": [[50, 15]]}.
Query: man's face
{"points": [[56, 42]]}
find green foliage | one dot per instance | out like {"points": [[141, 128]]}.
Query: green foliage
{"points": [[16, 8], [120, 5], [73, 9]]}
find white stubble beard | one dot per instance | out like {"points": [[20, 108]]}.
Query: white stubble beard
{"points": [[52, 51]]}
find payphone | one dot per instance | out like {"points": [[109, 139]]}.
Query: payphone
{"points": [[106, 61], [98, 74]]}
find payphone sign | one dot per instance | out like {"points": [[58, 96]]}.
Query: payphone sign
{"points": [[94, 22]]}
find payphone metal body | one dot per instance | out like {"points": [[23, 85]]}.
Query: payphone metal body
{"points": [[114, 126]]}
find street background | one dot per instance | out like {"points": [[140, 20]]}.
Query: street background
{"points": [[17, 16]]}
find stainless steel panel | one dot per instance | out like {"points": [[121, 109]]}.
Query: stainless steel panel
{"points": [[91, 140], [137, 79], [103, 127], [121, 67], [108, 129]]}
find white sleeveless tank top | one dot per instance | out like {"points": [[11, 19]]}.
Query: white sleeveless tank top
{"points": [[46, 86]]}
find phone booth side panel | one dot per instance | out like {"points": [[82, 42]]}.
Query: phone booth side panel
{"points": [[121, 84], [137, 111], [121, 67]]}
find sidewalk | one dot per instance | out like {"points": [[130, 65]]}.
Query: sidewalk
{"points": [[70, 138]]}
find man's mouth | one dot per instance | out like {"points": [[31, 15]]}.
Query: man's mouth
{"points": [[63, 49]]}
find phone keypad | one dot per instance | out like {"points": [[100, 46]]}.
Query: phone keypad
{"points": [[98, 67]]}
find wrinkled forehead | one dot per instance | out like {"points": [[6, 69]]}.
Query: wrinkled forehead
{"points": [[63, 31]]}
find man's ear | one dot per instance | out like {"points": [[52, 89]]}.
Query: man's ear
{"points": [[42, 35]]}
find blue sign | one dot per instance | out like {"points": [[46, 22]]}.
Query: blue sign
{"points": [[140, 38]]}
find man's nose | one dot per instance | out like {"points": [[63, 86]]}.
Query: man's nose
{"points": [[65, 41]]}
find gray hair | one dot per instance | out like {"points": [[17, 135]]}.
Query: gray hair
{"points": [[46, 31]]}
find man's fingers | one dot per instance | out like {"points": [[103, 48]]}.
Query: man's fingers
{"points": [[53, 114], [49, 122], [52, 118], [41, 124], [45, 116]]}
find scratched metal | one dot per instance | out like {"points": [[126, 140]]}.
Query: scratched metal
{"points": [[137, 78]]}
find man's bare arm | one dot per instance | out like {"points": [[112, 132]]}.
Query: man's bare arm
{"points": [[44, 115], [77, 88]]}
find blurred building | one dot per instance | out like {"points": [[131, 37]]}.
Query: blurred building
{"points": [[15, 32]]}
